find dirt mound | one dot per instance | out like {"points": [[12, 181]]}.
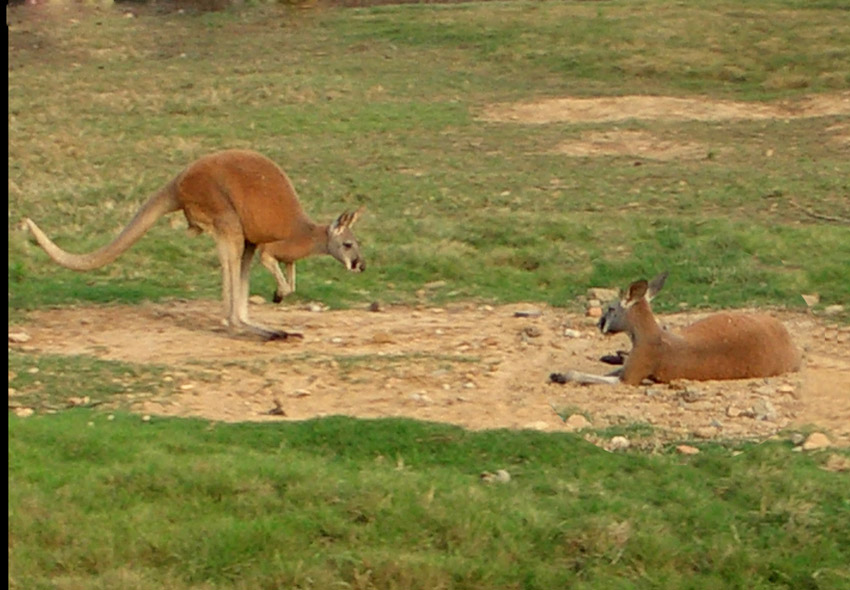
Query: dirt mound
{"points": [[471, 365]]}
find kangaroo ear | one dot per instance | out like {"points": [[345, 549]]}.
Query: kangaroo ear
{"points": [[356, 215], [637, 291], [340, 223], [656, 284]]}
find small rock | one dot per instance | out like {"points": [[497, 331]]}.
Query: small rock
{"points": [[785, 389], [619, 443], [833, 309], [603, 294], [314, 307], [528, 313], [375, 306], [576, 422], [687, 450], [501, 476], [257, 299], [815, 441], [19, 337], [570, 333], [837, 463], [146, 418], [705, 432], [532, 331], [690, 395], [24, 412], [382, 338], [797, 439], [594, 312], [811, 299], [764, 410]]}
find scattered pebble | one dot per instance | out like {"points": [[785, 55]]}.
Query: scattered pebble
{"points": [[501, 476], [531, 331], [764, 410], [576, 422], [816, 441], [24, 412], [618, 443], [528, 313], [706, 432], [257, 299], [687, 450], [570, 333], [19, 337], [603, 294]]}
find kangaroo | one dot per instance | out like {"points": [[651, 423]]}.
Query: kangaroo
{"points": [[721, 346], [242, 199]]}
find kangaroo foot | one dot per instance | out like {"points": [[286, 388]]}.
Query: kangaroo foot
{"points": [[617, 358], [281, 335]]}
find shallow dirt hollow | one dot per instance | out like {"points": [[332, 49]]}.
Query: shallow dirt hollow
{"points": [[472, 365]]}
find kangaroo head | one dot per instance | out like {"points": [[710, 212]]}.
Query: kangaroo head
{"points": [[615, 319], [342, 244]]}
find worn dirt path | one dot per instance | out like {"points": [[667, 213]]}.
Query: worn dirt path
{"points": [[472, 365]]}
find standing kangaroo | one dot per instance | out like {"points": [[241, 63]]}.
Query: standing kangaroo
{"points": [[721, 346], [243, 199]]}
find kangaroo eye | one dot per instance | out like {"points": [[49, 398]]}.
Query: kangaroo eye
{"points": [[348, 245]]}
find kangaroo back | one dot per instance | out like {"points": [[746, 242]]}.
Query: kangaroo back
{"points": [[731, 346]]}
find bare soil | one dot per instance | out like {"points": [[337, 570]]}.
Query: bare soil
{"points": [[473, 365], [617, 109]]}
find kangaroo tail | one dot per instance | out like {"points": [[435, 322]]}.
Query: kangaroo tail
{"points": [[163, 202]]}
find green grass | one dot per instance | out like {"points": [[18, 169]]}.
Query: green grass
{"points": [[338, 502], [383, 106]]}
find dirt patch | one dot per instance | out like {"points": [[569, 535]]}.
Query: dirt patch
{"points": [[623, 108], [471, 365], [616, 142], [632, 143]]}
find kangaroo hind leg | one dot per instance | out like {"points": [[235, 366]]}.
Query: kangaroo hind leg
{"points": [[241, 301]]}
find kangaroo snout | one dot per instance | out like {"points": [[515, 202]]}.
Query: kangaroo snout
{"points": [[357, 265]]}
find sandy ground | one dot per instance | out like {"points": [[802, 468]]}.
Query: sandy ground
{"points": [[476, 366]]}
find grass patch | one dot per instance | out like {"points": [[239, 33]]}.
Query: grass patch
{"points": [[396, 503]]}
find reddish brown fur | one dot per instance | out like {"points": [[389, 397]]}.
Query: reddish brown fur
{"points": [[721, 346]]}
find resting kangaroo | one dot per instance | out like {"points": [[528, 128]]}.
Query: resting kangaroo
{"points": [[721, 346], [243, 199]]}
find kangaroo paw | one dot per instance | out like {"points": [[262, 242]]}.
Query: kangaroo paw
{"points": [[282, 335], [618, 358], [278, 297], [558, 378]]}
